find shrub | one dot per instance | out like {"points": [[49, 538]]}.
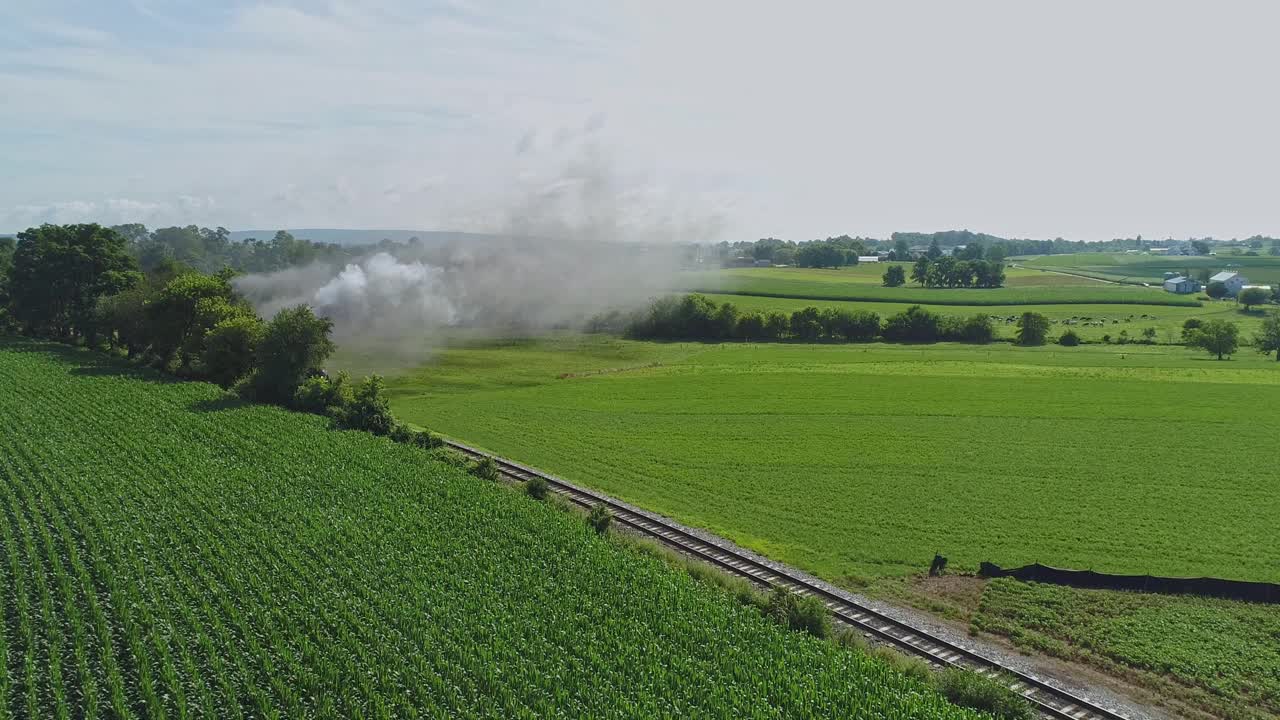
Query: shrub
{"points": [[537, 487], [1216, 290], [971, 690], [1032, 328], [1070, 339], [1189, 326], [600, 518], [293, 347], [1106, 339], [486, 469], [323, 395], [229, 347], [368, 408], [915, 324], [776, 325], [1149, 335], [908, 665], [973, 329], [797, 612]]}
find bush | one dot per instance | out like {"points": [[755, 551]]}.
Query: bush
{"points": [[537, 487], [486, 469], [797, 612], [969, 689], [322, 395], [851, 325], [1189, 327], [894, 276], [776, 325], [806, 324], [293, 347], [600, 518], [368, 409], [1032, 328], [1069, 339], [229, 348], [1216, 290], [973, 329], [750, 326], [915, 324], [1106, 339], [908, 665]]}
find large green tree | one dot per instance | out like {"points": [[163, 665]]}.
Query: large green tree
{"points": [[1253, 296], [1217, 337], [894, 276], [1267, 339], [1032, 328], [294, 346], [60, 272]]}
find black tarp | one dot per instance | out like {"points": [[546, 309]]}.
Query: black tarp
{"points": [[1210, 587]]}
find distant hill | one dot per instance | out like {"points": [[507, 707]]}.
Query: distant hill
{"points": [[364, 237]]}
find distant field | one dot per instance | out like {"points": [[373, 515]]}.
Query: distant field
{"points": [[1091, 322], [167, 551], [1151, 268], [862, 283]]}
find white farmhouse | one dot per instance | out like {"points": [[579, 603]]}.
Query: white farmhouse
{"points": [[1234, 281]]}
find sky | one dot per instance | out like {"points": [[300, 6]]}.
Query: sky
{"points": [[706, 119]]}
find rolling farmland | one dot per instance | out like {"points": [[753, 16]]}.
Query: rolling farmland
{"points": [[863, 283], [171, 552], [1135, 267]]}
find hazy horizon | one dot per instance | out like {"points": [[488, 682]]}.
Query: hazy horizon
{"points": [[708, 121]]}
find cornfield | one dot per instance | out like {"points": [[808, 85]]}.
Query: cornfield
{"points": [[166, 552]]}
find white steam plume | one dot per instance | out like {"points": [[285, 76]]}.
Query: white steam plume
{"points": [[560, 261]]}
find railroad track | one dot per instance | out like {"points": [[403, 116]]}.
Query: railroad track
{"points": [[1050, 700]]}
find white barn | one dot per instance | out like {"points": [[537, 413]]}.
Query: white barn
{"points": [[1234, 281], [1181, 285]]}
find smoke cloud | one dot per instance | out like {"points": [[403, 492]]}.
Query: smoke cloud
{"points": [[570, 249]]}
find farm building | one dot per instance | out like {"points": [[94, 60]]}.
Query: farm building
{"points": [[868, 258], [1234, 281], [763, 263], [1181, 285]]}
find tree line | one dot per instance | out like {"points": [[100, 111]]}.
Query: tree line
{"points": [[81, 284], [697, 317], [212, 249]]}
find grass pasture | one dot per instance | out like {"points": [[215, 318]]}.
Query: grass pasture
{"points": [[166, 551], [804, 451], [863, 283]]}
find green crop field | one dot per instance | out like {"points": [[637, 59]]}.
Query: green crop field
{"points": [[858, 462], [171, 552], [862, 283], [1137, 267]]}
